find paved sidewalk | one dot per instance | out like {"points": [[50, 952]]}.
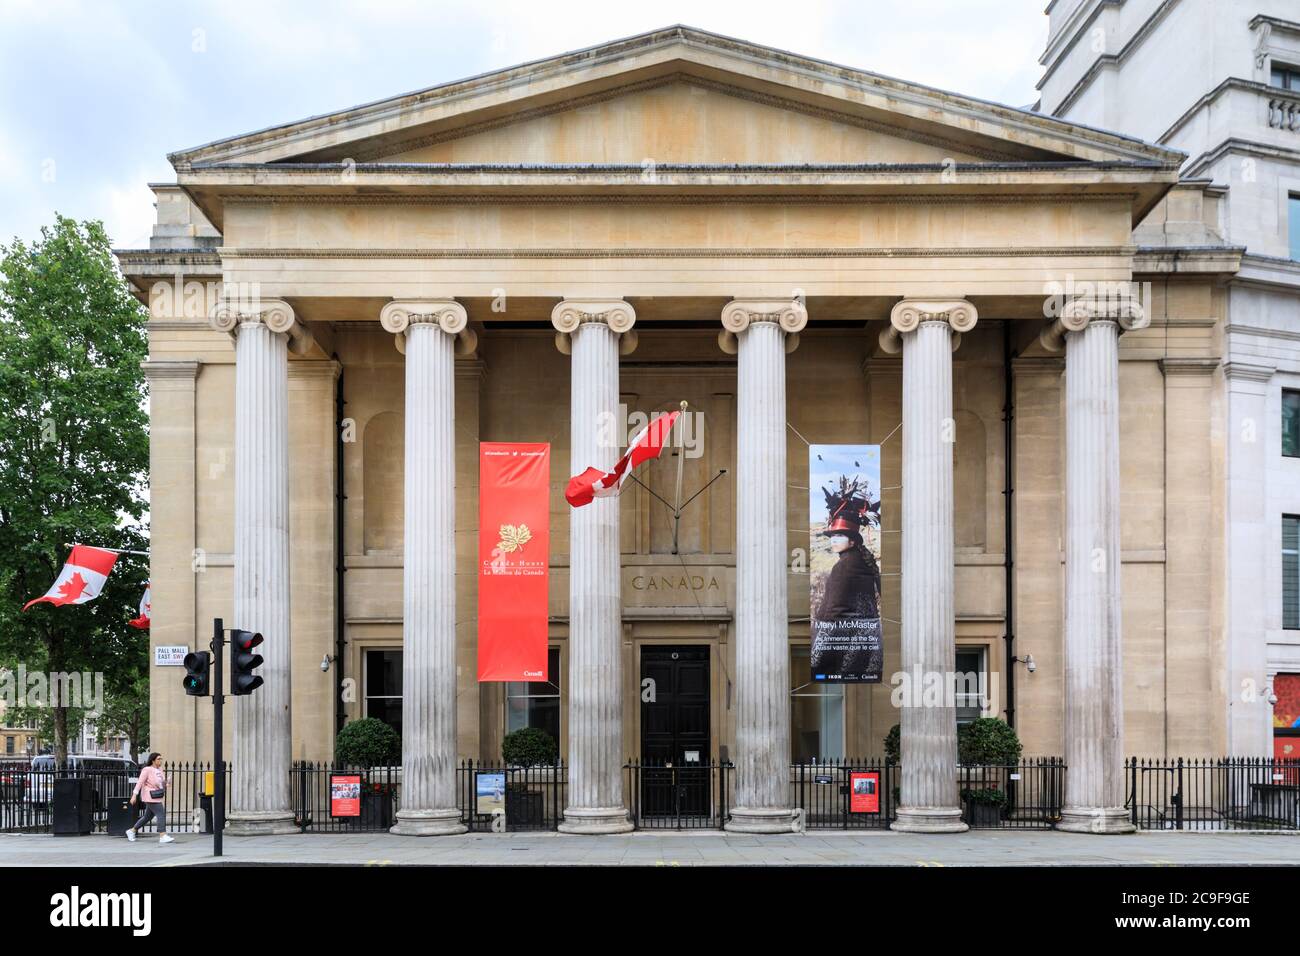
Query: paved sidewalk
{"points": [[709, 848]]}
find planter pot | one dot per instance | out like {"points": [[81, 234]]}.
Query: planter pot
{"points": [[376, 811], [983, 814], [524, 808]]}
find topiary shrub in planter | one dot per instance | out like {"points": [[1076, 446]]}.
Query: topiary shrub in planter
{"points": [[987, 740], [368, 742], [529, 747]]}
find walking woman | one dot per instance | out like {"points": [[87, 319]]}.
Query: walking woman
{"points": [[151, 789]]}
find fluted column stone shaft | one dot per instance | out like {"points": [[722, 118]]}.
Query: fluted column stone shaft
{"points": [[928, 722], [762, 758], [595, 801], [428, 804], [261, 729], [1094, 697]]}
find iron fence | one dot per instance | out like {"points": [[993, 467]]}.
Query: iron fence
{"points": [[1025, 795], [498, 796], [26, 795], [845, 794], [1213, 793], [688, 796], [336, 798]]}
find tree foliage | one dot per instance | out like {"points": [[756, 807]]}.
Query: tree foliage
{"points": [[74, 453]]}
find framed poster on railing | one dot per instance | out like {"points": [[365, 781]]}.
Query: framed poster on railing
{"points": [[489, 792], [864, 791], [345, 794]]}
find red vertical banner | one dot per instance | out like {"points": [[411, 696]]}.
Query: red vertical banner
{"points": [[514, 542]]}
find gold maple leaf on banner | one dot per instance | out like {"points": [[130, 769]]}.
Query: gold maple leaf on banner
{"points": [[513, 537]]}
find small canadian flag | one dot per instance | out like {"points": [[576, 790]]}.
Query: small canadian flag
{"points": [[146, 605], [81, 579]]}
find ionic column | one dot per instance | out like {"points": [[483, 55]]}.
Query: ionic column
{"points": [[261, 732], [590, 330], [1094, 699], [429, 330], [762, 332], [929, 332]]}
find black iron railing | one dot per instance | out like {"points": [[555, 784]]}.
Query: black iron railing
{"points": [[1214, 793], [845, 794], [334, 798], [26, 795], [685, 796], [499, 796], [1025, 795]]}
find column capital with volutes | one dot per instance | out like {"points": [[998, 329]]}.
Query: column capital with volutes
{"points": [[229, 315], [908, 314], [1074, 315], [617, 314]]}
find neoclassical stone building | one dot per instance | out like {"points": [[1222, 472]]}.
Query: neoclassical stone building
{"points": [[344, 307]]}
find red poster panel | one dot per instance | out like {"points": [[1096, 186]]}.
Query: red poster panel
{"points": [[345, 795], [514, 546], [864, 796]]}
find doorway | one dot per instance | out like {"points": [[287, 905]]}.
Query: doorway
{"points": [[675, 736]]}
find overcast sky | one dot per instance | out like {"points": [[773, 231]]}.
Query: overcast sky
{"points": [[96, 93]]}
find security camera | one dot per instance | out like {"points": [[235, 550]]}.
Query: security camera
{"points": [[1029, 663], [325, 664]]}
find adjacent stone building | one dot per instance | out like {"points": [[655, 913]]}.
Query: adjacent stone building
{"points": [[804, 252], [1220, 81]]}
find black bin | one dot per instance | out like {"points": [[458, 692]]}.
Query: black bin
{"points": [[73, 806], [121, 815], [205, 804]]}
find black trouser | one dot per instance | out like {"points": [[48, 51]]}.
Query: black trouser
{"points": [[157, 811]]}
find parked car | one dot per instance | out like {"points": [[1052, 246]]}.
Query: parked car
{"points": [[111, 777], [13, 774]]}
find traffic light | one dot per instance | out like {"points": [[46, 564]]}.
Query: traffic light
{"points": [[242, 661], [197, 665]]}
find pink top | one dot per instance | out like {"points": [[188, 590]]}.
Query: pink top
{"points": [[151, 778]]}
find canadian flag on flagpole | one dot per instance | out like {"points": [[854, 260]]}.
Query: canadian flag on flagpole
{"points": [[82, 577], [593, 483], [146, 605]]}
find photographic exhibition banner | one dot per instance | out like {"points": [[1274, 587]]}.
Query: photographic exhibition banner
{"points": [[844, 563]]}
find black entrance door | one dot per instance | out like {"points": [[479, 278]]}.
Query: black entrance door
{"points": [[675, 731]]}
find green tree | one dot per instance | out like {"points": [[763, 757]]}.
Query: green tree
{"points": [[74, 452]]}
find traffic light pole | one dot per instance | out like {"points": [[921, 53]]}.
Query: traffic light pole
{"points": [[218, 700]]}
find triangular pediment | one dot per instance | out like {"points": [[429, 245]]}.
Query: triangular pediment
{"points": [[677, 95], [682, 119]]}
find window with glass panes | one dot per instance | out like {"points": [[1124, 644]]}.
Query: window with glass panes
{"points": [[536, 703], [816, 712], [970, 679], [1290, 423], [1293, 224], [383, 682], [1291, 571], [1285, 76]]}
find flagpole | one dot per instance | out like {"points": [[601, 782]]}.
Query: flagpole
{"points": [[78, 544], [681, 463]]}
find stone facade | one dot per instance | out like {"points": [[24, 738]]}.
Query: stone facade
{"points": [[1114, 65], [772, 226]]}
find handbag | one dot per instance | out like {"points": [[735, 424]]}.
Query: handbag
{"points": [[157, 794]]}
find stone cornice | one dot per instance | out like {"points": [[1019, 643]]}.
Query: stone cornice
{"points": [[664, 199], [1172, 366], [169, 371], [691, 253], [1248, 372]]}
